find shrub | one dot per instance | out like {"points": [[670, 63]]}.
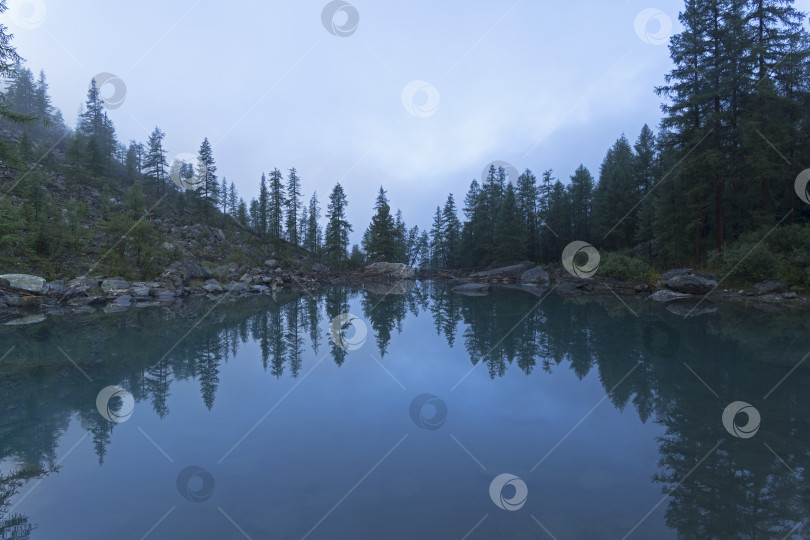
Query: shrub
{"points": [[623, 268]]}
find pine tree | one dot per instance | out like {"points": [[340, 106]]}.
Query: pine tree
{"points": [[527, 194], [232, 201], [336, 240], [312, 235], [580, 191], [438, 249], [379, 240], [293, 206], [276, 202], [509, 233], [155, 160], [263, 208], [615, 196], [205, 178], [242, 213], [452, 233], [646, 172], [223, 196]]}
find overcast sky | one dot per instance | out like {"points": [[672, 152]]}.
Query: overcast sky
{"points": [[416, 95]]}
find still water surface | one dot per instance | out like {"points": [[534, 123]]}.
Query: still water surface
{"points": [[255, 423]]}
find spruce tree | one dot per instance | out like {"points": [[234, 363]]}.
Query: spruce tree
{"points": [[276, 202], [293, 206], [336, 240]]}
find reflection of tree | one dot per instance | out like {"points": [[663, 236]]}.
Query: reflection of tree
{"points": [[741, 490], [384, 312], [337, 302], [294, 342], [16, 526]]}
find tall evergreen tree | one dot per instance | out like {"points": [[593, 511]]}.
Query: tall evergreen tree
{"points": [[293, 206], [336, 240], [379, 240], [154, 163], [205, 178], [276, 202]]}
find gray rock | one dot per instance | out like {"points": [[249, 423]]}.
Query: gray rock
{"points": [[212, 286], [686, 280], [258, 288], [271, 263], [319, 268], [27, 282], [4, 282], [769, 287], [515, 271], [790, 295], [219, 235], [236, 288], [536, 275], [472, 289], [83, 282], [114, 284], [140, 293], [391, 270], [123, 300], [31, 319], [181, 272], [665, 295]]}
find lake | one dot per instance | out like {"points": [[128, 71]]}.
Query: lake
{"points": [[347, 413]]}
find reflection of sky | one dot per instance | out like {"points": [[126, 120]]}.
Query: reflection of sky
{"points": [[332, 429]]}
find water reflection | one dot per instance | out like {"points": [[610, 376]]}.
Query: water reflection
{"points": [[681, 373]]}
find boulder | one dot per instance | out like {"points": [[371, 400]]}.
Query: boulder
{"points": [[213, 286], [391, 270], [4, 282], [790, 295], [114, 284], [769, 287], [472, 289], [180, 273], [258, 288], [319, 268], [270, 263], [27, 282], [686, 280], [666, 296], [536, 275], [236, 288], [513, 272]]}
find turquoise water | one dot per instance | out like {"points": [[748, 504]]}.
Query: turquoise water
{"points": [[252, 419]]}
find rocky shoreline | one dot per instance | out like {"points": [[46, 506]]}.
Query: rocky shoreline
{"points": [[27, 299]]}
